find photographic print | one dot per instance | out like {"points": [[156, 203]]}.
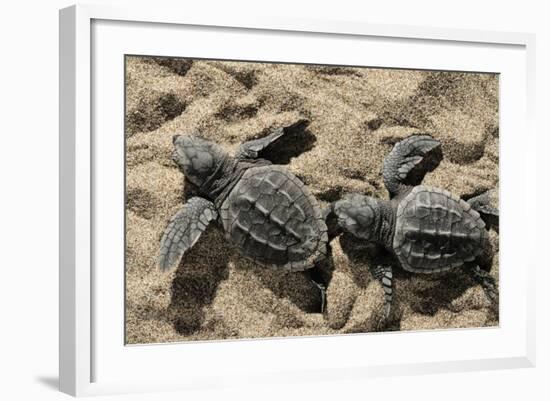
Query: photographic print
{"points": [[276, 200]]}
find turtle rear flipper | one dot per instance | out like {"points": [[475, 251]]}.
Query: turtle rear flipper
{"points": [[252, 149], [484, 206], [407, 163], [487, 282], [183, 230]]}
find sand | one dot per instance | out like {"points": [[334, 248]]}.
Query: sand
{"points": [[356, 115]]}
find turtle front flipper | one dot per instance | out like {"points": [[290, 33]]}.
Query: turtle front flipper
{"points": [[251, 149], [183, 230], [385, 275], [406, 156]]}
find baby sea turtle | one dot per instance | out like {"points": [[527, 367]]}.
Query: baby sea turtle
{"points": [[266, 212], [426, 229]]}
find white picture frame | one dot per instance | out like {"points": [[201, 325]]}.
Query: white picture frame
{"points": [[93, 355]]}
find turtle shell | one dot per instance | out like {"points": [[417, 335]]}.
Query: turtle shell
{"points": [[273, 219], [436, 231]]}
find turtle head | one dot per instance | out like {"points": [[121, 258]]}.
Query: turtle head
{"points": [[358, 215], [196, 157]]}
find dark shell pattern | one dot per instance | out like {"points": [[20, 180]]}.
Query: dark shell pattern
{"points": [[436, 231], [274, 220]]}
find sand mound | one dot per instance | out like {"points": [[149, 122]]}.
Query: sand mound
{"points": [[356, 115]]}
